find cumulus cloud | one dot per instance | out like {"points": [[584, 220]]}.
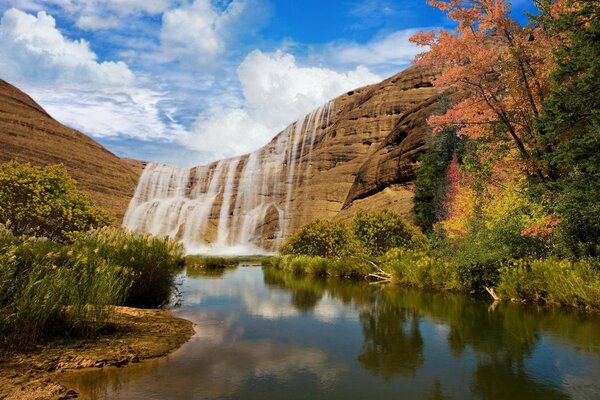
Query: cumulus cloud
{"points": [[276, 91], [102, 98]]}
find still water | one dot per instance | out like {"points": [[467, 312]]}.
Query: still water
{"points": [[268, 335]]}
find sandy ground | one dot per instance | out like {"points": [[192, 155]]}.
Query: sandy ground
{"points": [[136, 335]]}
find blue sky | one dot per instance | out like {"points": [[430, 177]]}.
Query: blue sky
{"points": [[190, 81]]}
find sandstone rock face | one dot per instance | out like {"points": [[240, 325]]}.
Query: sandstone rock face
{"points": [[29, 134], [358, 151]]}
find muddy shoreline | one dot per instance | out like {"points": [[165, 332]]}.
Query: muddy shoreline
{"points": [[133, 335]]}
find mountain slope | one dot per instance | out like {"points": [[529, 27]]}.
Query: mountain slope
{"points": [[29, 134]]}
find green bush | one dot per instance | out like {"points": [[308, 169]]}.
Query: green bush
{"points": [[573, 283], [43, 202], [320, 238], [153, 261], [380, 231]]}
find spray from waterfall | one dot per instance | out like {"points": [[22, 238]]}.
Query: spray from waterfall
{"points": [[240, 204]]}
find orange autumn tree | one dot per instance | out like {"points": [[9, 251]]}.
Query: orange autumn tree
{"points": [[501, 68]]}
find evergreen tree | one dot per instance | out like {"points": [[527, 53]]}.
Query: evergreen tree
{"points": [[569, 125]]}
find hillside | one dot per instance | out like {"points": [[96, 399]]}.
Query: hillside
{"points": [[29, 134]]}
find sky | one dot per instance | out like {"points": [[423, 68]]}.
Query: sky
{"points": [[187, 82]]}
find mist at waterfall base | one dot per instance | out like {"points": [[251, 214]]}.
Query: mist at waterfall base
{"points": [[236, 206]]}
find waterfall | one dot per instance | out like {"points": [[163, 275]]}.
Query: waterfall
{"points": [[240, 204]]}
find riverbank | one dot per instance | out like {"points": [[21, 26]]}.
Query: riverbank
{"points": [[132, 335]]}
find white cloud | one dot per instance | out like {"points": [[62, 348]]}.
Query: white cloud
{"points": [[394, 49], [32, 48], [102, 98], [276, 92], [93, 22], [197, 32], [192, 31]]}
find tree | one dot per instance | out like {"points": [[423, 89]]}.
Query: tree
{"points": [[43, 202], [431, 181], [570, 122], [501, 67]]}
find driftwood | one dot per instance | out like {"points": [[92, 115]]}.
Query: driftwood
{"points": [[380, 275], [493, 294]]}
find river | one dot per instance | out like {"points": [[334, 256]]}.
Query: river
{"points": [[268, 335]]}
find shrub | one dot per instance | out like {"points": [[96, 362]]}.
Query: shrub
{"points": [[573, 283], [320, 238], [153, 261], [43, 202], [380, 231]]}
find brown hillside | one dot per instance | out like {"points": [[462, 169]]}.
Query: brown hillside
{"points": [[29, 134]]}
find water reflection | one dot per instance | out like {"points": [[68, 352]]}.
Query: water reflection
{"points": [[273, 335]]}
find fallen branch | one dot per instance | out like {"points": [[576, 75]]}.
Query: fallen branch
{"points": [[493, 294]]}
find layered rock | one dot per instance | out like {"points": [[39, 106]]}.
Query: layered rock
{"points": [[29, 134], [358, 151]]}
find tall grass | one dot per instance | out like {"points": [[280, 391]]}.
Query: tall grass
{"points": [[49, 290], [573, 283], [153, 261]]}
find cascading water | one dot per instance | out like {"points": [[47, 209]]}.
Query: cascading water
{"points": [[236, 205]]}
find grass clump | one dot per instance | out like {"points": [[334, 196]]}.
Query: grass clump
{"points": [[208, 262], [418, 268], [153, 261], [49, 290], [565, 282]]}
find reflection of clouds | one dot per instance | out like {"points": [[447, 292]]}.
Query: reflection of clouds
{"points": [[274, 305], [213, 364], [260, 301], [329, 309]]}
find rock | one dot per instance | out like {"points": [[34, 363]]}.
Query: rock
{"points": [[359, 151]]}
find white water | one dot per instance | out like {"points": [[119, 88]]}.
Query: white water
{"points": [[221, 208]]}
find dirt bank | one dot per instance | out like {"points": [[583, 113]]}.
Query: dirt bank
{"points": [[133, 335]]}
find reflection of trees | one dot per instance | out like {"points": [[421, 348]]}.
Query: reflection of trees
{"points": [[501, 340], [393, 344], [505, 380]]}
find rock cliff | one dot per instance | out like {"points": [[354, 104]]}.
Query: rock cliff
{"points": [[29, 134], [358, 151]]}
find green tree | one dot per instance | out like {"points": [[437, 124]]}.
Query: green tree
{"points": [[431, 180], [43, 202], [570, 123]]}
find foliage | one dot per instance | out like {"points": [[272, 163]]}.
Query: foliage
{"points": [[43, 202], [320, 238], [380, 231], [573, 283], [153, 261], [431, 180], [500, 66], [570, 124], [49, 290], [420, 269]]}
